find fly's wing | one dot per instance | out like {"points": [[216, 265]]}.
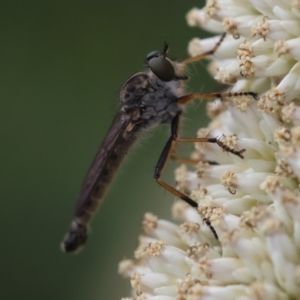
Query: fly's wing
{"points": [[103, 157]]}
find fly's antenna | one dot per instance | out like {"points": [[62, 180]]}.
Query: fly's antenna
{"points": [[166, 48]]}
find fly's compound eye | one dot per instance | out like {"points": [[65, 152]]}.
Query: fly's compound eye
{"points": [[160, 66]]}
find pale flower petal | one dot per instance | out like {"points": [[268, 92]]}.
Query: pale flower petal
{"points": [[252, 204]]}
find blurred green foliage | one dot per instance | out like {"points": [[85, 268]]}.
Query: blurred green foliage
{"points": [[62, 65]]}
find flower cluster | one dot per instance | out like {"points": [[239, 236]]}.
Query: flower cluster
{"points": [[252, 203]]}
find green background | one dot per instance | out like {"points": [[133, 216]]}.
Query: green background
{"points": [[62, 65]]}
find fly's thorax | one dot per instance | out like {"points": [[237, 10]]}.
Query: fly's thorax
{"points": [[155, 99], [133, 89], [160, 102]]}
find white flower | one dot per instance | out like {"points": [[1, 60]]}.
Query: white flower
{"points": [[252, 203]]}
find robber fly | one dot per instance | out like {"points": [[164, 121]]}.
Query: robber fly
{"points": [[147, 99]]}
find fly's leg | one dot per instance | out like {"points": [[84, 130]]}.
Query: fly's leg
{"points": [[184, 160], [190, 97], [169, 150], [187, 98], [187, 161], [205, 54], [181, 160], [158, 170], [213, 141]]}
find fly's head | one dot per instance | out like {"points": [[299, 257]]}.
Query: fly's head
{"points": [[150, 98], [164, 75], [160, 65], [163, 67]]}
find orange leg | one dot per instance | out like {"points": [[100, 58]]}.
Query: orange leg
{"points": [[205, 54], [169, 151], [190, 97]]}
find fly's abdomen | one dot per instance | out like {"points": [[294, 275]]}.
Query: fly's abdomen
{"points": [[93, 191], [75, 238]]}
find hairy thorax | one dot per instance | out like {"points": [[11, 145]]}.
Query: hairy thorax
{"points": [[156, 99]]}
